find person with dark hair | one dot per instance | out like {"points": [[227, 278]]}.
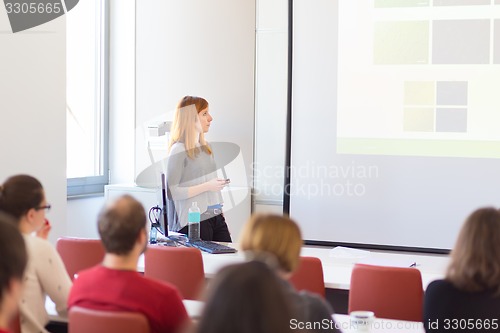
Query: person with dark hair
{"points": [[191, 172], [280, 237], [468, 299], [116, 285], [13, 260], [246, 298], [23, 197]]}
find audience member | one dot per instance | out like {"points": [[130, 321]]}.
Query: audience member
{"points": [[23, 197], [281, 237], [468, 299], [116, 285], [246, 298], [13, 260]]}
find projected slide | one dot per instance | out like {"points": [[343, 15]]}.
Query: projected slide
{"points": [[419, 78]]}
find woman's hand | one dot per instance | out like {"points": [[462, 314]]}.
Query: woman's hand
{"points": [[215, 184], [43, 232]]}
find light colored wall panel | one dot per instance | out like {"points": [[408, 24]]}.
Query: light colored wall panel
{"points": [[33, 110], [270, 101], [201, 48]]}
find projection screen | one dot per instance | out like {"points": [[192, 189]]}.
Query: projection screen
{"points": [[395, 119]]}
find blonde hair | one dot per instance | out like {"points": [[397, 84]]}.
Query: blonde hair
{"points": [[274, 234], [475, 259], [184, 125]]}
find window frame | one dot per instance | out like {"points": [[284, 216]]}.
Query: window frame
{"points": [[94, 185]]}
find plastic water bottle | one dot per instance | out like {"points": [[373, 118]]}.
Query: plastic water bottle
{"points": [[194, 222], [153, 235]]}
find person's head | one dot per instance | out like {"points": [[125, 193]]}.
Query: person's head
{"points": [[122, 226], [191, 121], [246, 298], [13, 259], [475, 259], [23, 197], [274, 234]]}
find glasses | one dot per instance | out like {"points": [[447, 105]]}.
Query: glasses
{"points": [[46, 207]]}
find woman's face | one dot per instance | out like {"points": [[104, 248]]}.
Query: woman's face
{"points": [[39, 216], [204, 120]]}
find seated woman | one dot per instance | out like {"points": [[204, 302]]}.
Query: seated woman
{"points": [[23, 197], [281, 237], [246, 298], [468, 299]]}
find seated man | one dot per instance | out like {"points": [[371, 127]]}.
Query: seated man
{"points": [[13, 260], [116, 285]]}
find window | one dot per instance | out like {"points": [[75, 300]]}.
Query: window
{"points": [[87, 97]]}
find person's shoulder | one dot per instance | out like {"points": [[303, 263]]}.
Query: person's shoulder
{"points": [[440, 284], [90, 275], [38, 245], [306, 300], [314, 301], [161, 288], [177, 147], [440, 287], [91, 271]]}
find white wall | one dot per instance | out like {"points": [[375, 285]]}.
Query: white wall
{"points": [[82, 213], [211, 56], [122, 90], [218, 66], [82, 216], [33, 110], [203, 48], [270, 105]]}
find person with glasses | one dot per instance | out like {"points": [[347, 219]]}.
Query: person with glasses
{"points": [[23, 197], [192, 173]]}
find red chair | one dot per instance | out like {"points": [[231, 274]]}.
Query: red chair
{"points": [[309, 276], [180, 266], [81, 320], [79, 253], [390, 292]]}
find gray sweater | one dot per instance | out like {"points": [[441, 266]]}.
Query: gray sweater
{"points": [[184, 172]]}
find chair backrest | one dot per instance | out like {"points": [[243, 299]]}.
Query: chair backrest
{"points": [[81, 320], [390, 292], [79, 253], [180, 266], [309, 276]]}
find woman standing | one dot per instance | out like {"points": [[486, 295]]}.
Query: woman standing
{"points": [[23, 197], [191, 171]]}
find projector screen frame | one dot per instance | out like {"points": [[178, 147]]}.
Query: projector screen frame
{"points": [[288, 163]]}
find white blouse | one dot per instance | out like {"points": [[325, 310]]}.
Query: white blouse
{"points": [[45, 275]]}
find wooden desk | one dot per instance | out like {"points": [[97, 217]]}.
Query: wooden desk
{"points": [[337, 270]]}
